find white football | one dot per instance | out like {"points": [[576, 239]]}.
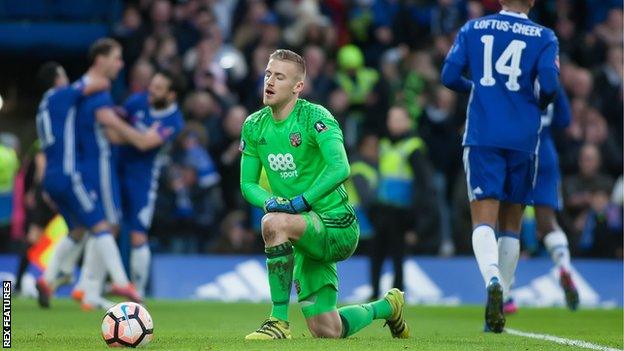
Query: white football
{"points": [[127, 324]]}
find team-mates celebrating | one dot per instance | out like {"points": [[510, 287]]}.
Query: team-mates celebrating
{"points": [[79, 127]]}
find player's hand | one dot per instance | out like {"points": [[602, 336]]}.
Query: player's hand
{"points": [[280, 204]]}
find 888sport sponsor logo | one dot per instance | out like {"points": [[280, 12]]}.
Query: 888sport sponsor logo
{"points": [[284, 164]]}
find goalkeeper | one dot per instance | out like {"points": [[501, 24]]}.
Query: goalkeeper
{"points": [[309, 225]]}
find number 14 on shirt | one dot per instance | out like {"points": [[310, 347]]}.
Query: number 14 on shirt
{"points": [[503, 66]]}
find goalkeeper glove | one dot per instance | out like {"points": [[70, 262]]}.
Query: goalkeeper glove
{"points": [[279, 204]]}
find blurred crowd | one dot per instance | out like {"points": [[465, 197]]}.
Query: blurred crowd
{"points": [[363, 58]]}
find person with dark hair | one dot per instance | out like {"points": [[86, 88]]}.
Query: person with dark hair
{"points": [[140, 162], [406, 206], [56, 119], [507, 55], [95, 159], [602, 228]]}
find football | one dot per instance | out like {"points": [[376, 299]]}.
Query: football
{"points": [[127, 324]]}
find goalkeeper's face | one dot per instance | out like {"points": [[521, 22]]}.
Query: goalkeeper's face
{"points": [[282, 82]]}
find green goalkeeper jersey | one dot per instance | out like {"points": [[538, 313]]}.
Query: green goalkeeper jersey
{"points": [[302, 155]]}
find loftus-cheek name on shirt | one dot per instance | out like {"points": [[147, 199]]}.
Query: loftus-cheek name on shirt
{"points": [[505, 26]]}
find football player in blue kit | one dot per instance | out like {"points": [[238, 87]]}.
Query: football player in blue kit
{"points": [[507, 55], [97, 154], [547, 199], [140, 163], [73, 198]]}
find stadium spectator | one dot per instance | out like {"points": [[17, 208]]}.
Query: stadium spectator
{"points": [[196, 183], [229, 160], [235, 237], [318, 82], [602, 228], [406, 203], [577, 188], [140, 76], [440, 130]]}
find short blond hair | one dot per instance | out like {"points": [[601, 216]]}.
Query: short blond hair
{"points": [[288, 55]]}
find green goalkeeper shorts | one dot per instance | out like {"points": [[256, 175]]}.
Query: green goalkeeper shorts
{"points": [[328, 238]]}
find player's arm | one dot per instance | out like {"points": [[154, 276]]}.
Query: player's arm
{"points": [[119, 132], [250, 174], [336, 171], [454, 65], [562, 113], [548, 72], [251, 167], [452, 78]]}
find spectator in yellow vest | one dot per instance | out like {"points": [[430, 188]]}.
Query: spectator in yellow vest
{"points": [[406, 210]]}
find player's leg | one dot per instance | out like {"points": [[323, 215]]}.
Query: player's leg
{"points": [[139, 197], [104, 233], [69, 264], [109, 257], [326, 321], [67, 206], [509, 222], [52, 276], [98, 217], [519, 184], [556, 242], [140, 258], [278, 232], [92, 277], [316, 273], [67, 249], [485, 169]]}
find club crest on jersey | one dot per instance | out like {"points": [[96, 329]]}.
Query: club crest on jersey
{"points": [[295, 139], [320, 126]]}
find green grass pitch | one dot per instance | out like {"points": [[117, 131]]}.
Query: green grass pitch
{"points": [[183, 325]]}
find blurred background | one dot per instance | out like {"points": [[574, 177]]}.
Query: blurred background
{"points": [[363, 57]]}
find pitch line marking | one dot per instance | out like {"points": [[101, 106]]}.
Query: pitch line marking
{"points": [[562, 341]]}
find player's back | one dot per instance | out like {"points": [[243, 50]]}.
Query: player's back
{"points": [[91, 142], [55, 120], [504, 53]]}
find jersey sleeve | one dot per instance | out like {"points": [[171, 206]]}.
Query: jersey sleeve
{"points": [[133, 103], [248, 145], [549, 57], [458, 53], [322, 126], [102, 100], [563, 114]]}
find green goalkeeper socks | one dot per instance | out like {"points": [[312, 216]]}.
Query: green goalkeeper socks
{"points": [[280, 264], [356, 317]]}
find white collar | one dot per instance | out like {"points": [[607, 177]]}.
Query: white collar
{"points": [[514, 14], [163, 112]]}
